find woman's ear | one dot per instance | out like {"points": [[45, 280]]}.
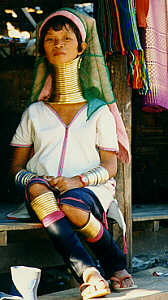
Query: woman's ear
{"points": [[83, 47]]}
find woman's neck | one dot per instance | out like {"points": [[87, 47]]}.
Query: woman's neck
{"points": [[66, 87]]}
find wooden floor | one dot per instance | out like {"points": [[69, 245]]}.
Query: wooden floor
{"points": [[140, 294], [149, 288]]}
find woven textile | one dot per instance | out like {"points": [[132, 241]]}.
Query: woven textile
{"points": [[156, 54], [118, 32], [142, 7]]}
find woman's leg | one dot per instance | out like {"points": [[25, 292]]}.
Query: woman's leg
{"points": [[65, 240], [77, 205]]}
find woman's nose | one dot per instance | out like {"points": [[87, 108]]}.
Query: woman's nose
{"points": [[58, 43]]}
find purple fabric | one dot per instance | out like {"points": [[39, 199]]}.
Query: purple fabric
{"points": [[156, 55]]}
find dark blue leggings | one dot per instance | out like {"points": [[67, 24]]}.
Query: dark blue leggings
{"points": [[108, 253]]}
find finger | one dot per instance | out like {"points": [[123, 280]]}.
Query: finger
{"points": [[62, 189], [56, 190], [48, 178]]}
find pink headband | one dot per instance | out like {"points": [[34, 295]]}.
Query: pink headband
{"points": [[70, 16]]}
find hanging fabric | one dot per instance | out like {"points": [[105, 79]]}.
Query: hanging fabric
{"points": [[118, 32], [142, 8], [156, 55]]}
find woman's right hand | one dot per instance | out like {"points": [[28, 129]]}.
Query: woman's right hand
{"points": [[63, 183]]}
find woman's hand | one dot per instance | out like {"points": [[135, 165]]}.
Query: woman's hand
{"points": [[63, 184]]}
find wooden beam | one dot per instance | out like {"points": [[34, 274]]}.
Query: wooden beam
{"points": [[29, 17]]}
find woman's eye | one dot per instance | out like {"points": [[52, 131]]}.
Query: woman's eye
{"points": [[49, 40]]}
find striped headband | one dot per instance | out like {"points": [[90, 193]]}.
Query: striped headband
{"points": [[70, 16]]}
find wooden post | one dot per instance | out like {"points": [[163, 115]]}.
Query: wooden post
{"points": [[123, 95], [3, 238]]}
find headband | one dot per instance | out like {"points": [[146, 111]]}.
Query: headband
{"points": [[70, 16]]}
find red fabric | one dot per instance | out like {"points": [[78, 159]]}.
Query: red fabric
{"points": [[125, 245], [142, 7]]}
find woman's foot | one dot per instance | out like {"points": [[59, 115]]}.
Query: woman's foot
{"points": [[122, 280], [94, 284]]}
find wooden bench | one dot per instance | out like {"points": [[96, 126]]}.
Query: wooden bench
{"points": [[153, 213], [5, 227], [140, 213], [14, 225]]}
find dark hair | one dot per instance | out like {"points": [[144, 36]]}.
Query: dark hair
{"points": [[57, 23]]}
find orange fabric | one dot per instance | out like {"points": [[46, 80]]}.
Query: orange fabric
{"points": [[137, 81], [142, 7], [119, 28]]}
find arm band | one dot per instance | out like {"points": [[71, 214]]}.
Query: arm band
{"points": [[98, 175], [23, 177]]}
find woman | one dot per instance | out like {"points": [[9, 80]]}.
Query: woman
{"points": [[69, 177]]}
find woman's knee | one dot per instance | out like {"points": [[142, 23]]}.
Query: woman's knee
{"points": [[36, 189], [75, 215]]}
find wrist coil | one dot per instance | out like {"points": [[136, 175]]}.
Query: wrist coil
{"points": [[23, 177]]}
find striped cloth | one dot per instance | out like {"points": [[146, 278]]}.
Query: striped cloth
{"points": [[156, 54], [118, 32]]}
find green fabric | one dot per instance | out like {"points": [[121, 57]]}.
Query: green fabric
{"points": [[93, 73]]}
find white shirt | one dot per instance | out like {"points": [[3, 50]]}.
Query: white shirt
{"points": [[61, 150]]}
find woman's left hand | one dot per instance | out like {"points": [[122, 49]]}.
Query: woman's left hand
{"points": [[64, 184]]}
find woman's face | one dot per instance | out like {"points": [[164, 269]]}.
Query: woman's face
{"points": [[61, 46]]}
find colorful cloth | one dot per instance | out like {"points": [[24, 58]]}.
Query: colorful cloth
{"points": [[156, 55], [118, 32]]}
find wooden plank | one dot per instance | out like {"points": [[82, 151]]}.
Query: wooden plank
{"points": [[138, 294], [149, 212], [19, 226], [3, 238], [149, 218], [150, 207]]}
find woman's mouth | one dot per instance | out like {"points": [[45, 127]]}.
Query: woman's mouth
{"points": [[58, 53]]}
